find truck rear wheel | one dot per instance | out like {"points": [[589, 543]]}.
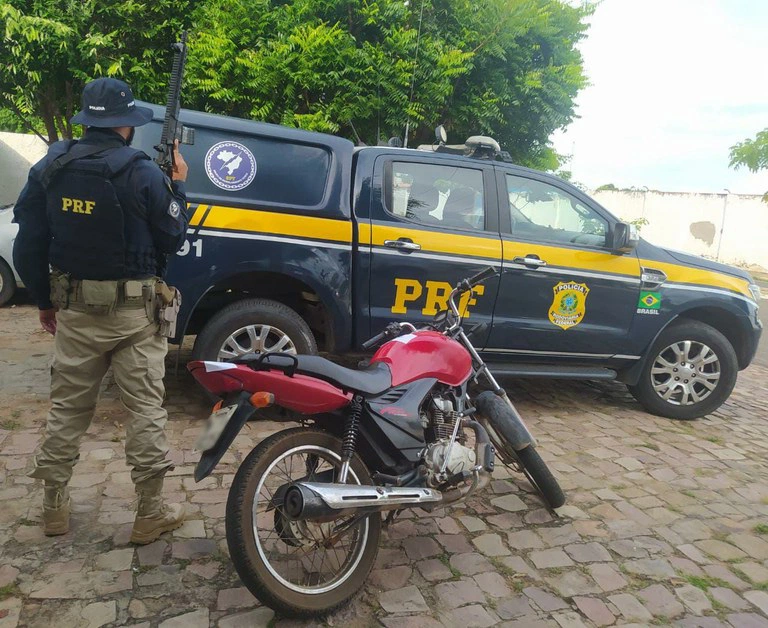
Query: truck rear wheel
{"points": [[253, 325], [7, 283], [689, 372]]}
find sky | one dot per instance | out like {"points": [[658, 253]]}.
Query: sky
{"points": [[673, 85]]}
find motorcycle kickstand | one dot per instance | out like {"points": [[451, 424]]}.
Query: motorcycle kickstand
{"points": [[390, 518]]}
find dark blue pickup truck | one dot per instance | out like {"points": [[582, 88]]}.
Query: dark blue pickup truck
{"points": [[302, 242]]}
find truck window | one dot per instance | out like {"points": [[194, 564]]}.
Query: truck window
{"points": [[254, 170], [447, 196], [540, 211]]}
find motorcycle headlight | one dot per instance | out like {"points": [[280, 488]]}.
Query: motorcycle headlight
{"points": [[756, 294]]}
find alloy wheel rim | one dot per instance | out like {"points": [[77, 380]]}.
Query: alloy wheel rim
{"points": [[256, 339], [685, 373]]}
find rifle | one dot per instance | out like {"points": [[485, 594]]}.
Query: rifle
{"points": [[172, 128]]}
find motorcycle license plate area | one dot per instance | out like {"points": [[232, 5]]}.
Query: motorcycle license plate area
{"points": [[214, 426]]}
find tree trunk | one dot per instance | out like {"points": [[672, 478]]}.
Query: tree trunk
{"points": [[47, 113], [60, 124], [70, 100]]}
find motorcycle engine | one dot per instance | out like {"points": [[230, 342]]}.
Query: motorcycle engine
{"points": [[460, 458], [442, 417]]}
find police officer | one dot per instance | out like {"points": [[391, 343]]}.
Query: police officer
{"points": [[103, 216]]}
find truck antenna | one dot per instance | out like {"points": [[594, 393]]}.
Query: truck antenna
{"points": [[413, 78]]}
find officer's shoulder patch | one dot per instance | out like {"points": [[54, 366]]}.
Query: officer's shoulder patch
{"points": [[174, 209]]}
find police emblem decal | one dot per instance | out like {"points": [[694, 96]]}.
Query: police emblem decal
{"points": [[174, 209], [568, 304], [230, 166]]}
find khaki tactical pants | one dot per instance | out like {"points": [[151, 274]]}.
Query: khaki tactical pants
{"points": [[83, 351]]}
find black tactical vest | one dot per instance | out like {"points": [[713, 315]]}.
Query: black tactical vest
{"points": [[90, 236]]}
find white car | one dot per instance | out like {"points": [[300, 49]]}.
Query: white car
{"points": [[9, 279]]}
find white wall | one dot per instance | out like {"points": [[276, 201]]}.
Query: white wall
{"points": [[18, 152], [692, 222]]}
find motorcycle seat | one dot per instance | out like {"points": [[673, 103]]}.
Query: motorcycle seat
{"points": [[374, 379]]}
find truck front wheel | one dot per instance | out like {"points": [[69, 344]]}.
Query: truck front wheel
{"points": [[689, 372], [253, 326]]}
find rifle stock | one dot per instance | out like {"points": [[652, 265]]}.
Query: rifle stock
{"points": [[172, 127]]}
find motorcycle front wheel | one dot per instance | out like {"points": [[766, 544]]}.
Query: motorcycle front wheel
{"points": [[538, 474], [501, 424], [298, 568]]}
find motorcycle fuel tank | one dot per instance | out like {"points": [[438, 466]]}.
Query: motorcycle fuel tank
{"points": [[425, 354]]}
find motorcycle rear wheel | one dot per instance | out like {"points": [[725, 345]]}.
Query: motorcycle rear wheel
{"points": [[292, 583]]}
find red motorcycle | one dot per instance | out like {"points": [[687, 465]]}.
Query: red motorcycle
{"points": [[303, 515]]}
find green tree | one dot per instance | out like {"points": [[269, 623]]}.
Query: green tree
{"points": [[51, 48], [752, 153], [367, 69]]}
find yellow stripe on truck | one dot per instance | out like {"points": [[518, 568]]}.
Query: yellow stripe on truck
{"points": [[364, 233], [234, 219], [626, 265], [491, 248], [434, 241], [699, 276], [197, 216], [577, 259]]}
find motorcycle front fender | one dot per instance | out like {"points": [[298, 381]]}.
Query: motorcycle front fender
{"points": [[211, 457]]}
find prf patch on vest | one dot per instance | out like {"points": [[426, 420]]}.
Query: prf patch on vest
{"points": [[77, 205], [174, 209], [569, 304]]}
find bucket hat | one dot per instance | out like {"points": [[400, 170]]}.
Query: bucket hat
{"points": [[108, 102]]}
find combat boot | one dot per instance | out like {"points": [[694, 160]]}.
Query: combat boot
{"points": [[154, 516], [55, 509]]}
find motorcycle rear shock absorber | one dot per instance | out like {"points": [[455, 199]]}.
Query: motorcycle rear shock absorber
{"points": [[351, 430]]}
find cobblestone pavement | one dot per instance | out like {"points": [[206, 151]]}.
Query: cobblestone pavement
{"points": [[667, 522]]}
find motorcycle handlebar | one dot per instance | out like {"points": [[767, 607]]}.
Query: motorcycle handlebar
{"points": [[369, 344], [390, 331], [481, 276]]}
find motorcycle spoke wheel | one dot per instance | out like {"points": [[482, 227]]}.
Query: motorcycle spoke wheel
{"points": [[298, 568], [317, 558]]}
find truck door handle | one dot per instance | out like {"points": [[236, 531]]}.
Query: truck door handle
{"points": [[529, 260], [403, 244]]}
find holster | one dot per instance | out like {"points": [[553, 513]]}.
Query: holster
{"points": [[168, 305]]}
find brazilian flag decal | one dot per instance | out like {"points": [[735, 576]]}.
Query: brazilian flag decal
{"points": [[649, 300]]}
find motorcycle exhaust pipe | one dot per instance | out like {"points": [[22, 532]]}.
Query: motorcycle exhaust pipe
{"points": [[318, 502]]}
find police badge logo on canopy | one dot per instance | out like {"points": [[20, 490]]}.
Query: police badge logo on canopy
{"points": [[569, 304], [230, 166]]}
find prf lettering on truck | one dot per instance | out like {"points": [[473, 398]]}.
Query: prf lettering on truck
{"points": [[436, 297]]}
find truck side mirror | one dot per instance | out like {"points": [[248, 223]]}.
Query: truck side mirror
{"points": [[623, 238]]}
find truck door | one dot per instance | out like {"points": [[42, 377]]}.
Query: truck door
{"points": [[433, 221], [563, 293]]}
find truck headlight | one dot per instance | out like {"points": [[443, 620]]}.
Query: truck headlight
{"points": [[755, 290]]}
